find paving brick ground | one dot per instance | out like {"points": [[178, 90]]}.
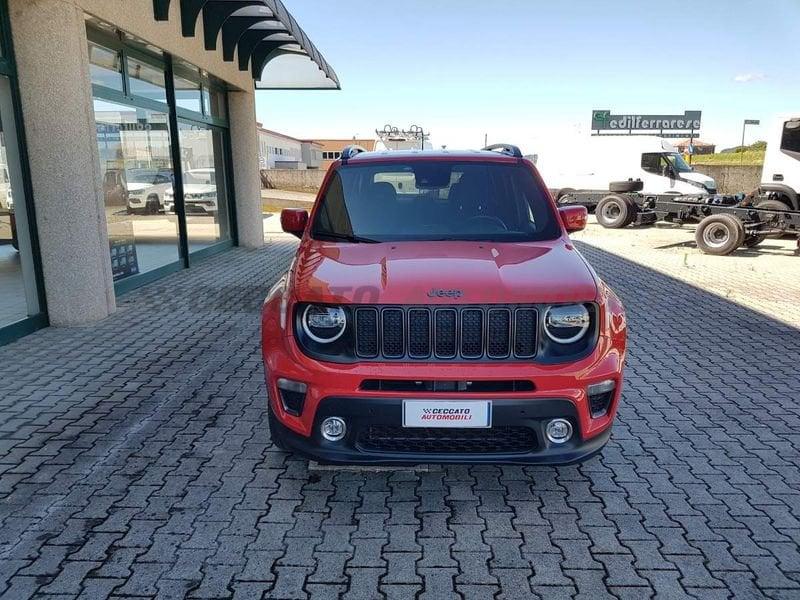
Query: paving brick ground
{"points": [[134, 462]]}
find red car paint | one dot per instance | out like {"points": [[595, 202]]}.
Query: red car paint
{"points": [[403, 273]]}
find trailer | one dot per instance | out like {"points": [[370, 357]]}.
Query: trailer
{"points": [[725, 222]]}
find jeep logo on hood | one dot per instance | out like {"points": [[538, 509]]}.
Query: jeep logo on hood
{"points": [[439, 293]]}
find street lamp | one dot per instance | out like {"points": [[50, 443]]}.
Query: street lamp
{"points": [[744, 125]]}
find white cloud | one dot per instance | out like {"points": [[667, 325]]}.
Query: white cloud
{"points": [[748, 77]]}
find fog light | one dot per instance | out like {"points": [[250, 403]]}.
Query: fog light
{"points": [[333, 429], [559, 431], [600, 395], [293, 395]]}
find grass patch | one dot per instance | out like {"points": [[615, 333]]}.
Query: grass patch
{"points": [[748, 157]]}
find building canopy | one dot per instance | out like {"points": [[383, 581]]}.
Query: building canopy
{"points": [[262, 36]]}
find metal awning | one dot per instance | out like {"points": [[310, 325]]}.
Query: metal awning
{"points": [[262, 36]]}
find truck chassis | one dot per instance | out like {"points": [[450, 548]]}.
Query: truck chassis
{"points": [[725, 222]]}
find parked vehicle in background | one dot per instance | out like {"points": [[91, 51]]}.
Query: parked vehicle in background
{"points": [[437, 311], [146, 188], [199, 192], [780, 178], [606, 158]]}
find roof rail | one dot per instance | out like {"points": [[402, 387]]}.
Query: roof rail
{"points": [[350, 151], [508, 149]]}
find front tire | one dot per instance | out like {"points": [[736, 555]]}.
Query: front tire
{"points": [[152, 205], [719, 235]]}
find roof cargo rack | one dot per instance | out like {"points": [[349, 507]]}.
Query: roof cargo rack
{"points": [[350, 151], [508, 149]]}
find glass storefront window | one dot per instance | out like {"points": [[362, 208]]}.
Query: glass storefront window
{"points": [[216, 104], [18, 291], [105, 66], [146, 80], [187, 95], [136, 167], [204, 185]]}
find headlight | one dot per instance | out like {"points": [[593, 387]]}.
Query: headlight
{"points": [[324, 324], [566, 324]]}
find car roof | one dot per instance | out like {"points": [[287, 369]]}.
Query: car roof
{"points": [[405, 155]]}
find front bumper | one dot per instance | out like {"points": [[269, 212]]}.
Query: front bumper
{"points": [[362, 414]]}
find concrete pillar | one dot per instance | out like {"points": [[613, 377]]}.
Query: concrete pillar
{"points": [[53, 66], [246, 178]]}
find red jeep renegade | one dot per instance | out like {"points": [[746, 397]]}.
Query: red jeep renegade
{"points": [[437, 311]]}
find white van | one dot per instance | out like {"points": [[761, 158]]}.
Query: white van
{"points": [[603, 159], [780, 178]]}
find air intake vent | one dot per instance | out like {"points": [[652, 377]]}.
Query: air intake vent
{"points": [[499, 338], [445, 332], [471, 333], [527, 321], [419, 333], [367, 332], [393, 335]]}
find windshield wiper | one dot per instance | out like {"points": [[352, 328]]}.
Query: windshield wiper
{"points": [[346, 237]]}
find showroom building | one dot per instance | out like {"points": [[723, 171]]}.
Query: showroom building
{"points": [[129, 145]]}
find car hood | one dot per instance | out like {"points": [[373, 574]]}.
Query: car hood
{"points": [[442, 273], [194, 188], [138, 187], [699, 178]]}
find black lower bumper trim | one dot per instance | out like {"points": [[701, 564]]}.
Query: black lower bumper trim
{"points": [[385, 414]]}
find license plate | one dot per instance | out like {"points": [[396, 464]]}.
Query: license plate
{"points": [[447, 413]]}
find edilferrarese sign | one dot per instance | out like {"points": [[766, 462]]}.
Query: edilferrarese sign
{"points": [[603, 120]]}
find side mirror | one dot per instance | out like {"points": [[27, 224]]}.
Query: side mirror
{"points": [[294, 221], [573, 217]]}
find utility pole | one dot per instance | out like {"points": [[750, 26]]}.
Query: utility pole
{"points": [[485, 140], [745, 124]]}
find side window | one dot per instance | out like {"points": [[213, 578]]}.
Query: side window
{"points": [[790, 140], [651, 162]]}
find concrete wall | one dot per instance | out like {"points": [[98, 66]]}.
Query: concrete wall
{"points": [[732, 178], [308, 180]]}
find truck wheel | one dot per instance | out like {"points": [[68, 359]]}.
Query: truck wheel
{"points": [[626, 186], [613, 212], [632, 210], [719, 234], [773, 205], [152, 205]]}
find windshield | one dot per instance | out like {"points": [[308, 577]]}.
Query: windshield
{"points": [[439, 200], [657, 163], [677, 162]]}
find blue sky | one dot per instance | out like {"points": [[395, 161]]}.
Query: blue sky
{"points": [[531, 71]]}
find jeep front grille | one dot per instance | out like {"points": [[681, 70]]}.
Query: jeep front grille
{"points": [[446, 333]]}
